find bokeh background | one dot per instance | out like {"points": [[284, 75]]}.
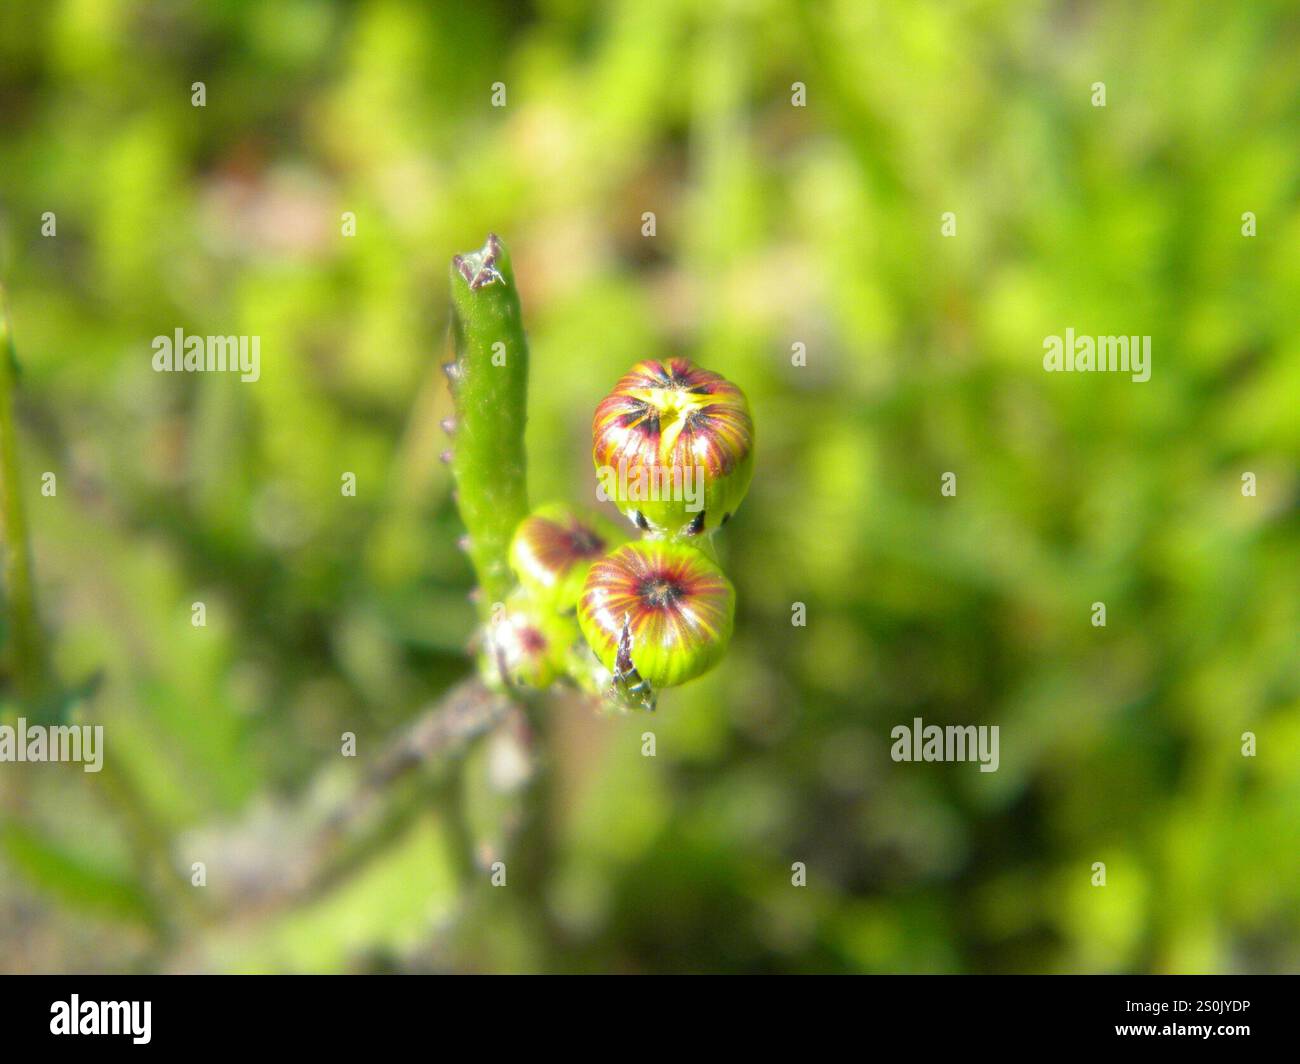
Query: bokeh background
{"points": [[775, 225]]}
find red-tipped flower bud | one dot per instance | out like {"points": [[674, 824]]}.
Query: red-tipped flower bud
{"points": [[657, 610], [552, 549], [673, 446], [527, 645]]}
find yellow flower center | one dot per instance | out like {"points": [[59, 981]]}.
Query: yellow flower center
{"points": [[675, 407]]}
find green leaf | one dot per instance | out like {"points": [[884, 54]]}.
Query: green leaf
{"points": [[71, 876]]}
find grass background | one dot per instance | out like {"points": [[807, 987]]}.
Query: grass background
{"points": [[776, 225]]}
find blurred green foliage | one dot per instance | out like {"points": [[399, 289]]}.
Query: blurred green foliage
{"points": [[775, 225]]}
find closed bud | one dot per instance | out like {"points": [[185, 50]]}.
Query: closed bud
{"points": [[657, 612], [526, 645], [673, 446], [552, 549]]}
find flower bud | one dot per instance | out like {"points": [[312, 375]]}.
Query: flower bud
{"points": [[552, 549], [657, 610], [673, 446], [526, 645]]}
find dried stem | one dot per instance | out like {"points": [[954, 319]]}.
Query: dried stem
{"points": [[380, 807]]}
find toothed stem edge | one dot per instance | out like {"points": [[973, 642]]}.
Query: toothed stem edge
{"points": [[489, 383]]}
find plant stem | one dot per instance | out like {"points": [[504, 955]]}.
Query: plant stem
{"points": [[538, 833], [27, 654], [489, 381], [381, 806]]}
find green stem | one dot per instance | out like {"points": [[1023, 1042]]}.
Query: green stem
{"points": [[539, 829], [27, 655], [489, 381], [706, 546]]}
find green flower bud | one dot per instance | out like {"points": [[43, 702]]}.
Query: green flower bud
{"points": [[526, 645], [656, 611], [673, 446], [552, 550]]}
